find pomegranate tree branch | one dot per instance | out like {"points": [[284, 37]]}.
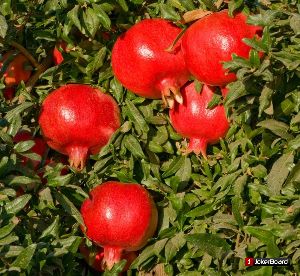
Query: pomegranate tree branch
{"points": [[46, 63], [23, 51]]}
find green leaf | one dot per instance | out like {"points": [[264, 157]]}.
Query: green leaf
{"points": [[236, 208], [174, 166], [91, 21], [97, 61], [265, 99], [173, 246], [277, 127], [216, 99], [52, 229], [15, 206], [136, 117], [3, 26], [168, 12], [210, 243], [123, 5], [295, 23], [24, 146], [201, 210], [233, 6], [7, 229], [133, 145], [103, 17], [69, 207], [279, 173], [265, 237], [23, 260], [10, 116]]}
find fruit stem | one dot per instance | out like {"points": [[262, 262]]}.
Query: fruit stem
{"points": [[170, 94], [198, 145], [112, 255], [77, 157]]}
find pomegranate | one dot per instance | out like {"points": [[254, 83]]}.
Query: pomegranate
{"points": [[9, 93], [195, 121], [57, 55], [95, 259], [78, 120], [40, 147], [18, 68], [212, 40], [141, 62], [119, 217]]}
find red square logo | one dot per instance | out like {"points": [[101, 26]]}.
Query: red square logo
{"points": [[249, 261]]}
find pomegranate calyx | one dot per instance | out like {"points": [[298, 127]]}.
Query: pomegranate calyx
{"points": [[77, 157], [170, 95], [112, 255], [198, 145]]}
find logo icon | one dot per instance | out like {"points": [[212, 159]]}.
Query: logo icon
{"points": [[249, 261]]}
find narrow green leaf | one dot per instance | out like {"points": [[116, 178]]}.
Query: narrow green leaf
{"points": [[24, 146], [236, 207], [133, 145], [210, 243], [97, 61], [69, 207], [277, 127], [174, 166], [52, 229], [15, 206], [265, 99], [279, 173], [201, 211], [7, 229], [103, 17], [3, 26], [265, 237], [136, 117], [23, 260], [173, 246], [91, 21]]}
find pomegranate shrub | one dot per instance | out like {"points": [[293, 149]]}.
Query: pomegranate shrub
{"points": [[241, 201]]}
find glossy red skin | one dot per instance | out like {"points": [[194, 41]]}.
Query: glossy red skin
{"points": [[212, 40], [78, 120], [119, 216], [95, 259], [16, 70], [39, 148], [57, 55], [142, 64], [193, 120]]}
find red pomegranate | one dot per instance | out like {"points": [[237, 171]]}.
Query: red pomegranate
{"points": [[119, 217], [40, 147], [57, 55], [194, 120], [95, 258], [17, 69], [142, 64], [212, 40], [9, 93], [78, 120]]}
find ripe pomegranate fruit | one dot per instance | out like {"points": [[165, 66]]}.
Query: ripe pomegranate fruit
{"points": [[39, 148], [141, 62], [57, 55], [95, 259], [18, 68], [194, 120], [119, 217], [78, 120], [212, 40], [9, 93]]}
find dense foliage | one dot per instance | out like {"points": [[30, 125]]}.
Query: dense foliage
{"points": [[244, 200]]}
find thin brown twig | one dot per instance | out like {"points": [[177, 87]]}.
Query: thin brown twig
{"points": [[25, 53], [41, 69]]}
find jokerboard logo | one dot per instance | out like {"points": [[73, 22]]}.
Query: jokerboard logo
{"points": [[266, 261]]}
